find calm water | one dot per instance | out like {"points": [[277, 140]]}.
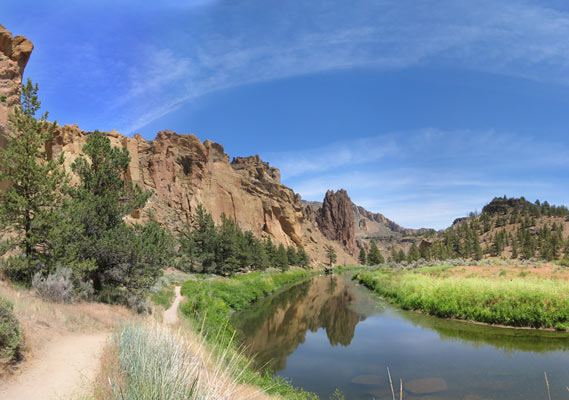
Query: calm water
{"points": [[330, 333]]}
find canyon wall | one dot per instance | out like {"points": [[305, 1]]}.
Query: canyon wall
{"points": [[183, 172]]}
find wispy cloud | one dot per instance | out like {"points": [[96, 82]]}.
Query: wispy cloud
{"points": [[429, 177], [512, 38]]}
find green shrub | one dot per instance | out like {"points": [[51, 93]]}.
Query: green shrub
{"points": [[10, 335], [164, 297]]}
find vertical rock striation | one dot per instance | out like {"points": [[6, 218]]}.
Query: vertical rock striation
{"points": [[336, 219]]}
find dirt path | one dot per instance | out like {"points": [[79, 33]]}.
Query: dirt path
{"points": [[63, 370], [171, 314]]}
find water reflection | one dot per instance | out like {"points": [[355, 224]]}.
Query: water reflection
{"points": [[329, 332], [275, 327]]}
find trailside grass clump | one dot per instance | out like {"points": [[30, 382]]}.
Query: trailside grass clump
{"points": [[536, 303], [149, 361]]}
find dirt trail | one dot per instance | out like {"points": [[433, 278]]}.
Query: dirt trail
{"points": [[63, 370], [171, 314]]}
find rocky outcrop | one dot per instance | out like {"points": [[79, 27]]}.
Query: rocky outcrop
{"points": [[336, 219], [182, 172], [14, 55], [375, 225]]}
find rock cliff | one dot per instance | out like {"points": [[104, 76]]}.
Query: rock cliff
{"points": [[183, 172], [336, 219]]}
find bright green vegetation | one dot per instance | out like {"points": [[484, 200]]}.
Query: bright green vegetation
{"points": [[516, 302], [164, 297], [210, 302], [10, 335], [226, 248]]}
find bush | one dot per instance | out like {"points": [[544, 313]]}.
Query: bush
{"points": [[10, 335], [57, 287]]}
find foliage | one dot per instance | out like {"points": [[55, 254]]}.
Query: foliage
{"points": [[374, 257], [10, 335], [56, 287], [93, 237], [211, 301], [164, 297], [225, 249], [515, 302], [26, 209], [363, 257], [330, 254]]}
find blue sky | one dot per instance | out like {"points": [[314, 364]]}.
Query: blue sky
{"points": [[421, 110]]}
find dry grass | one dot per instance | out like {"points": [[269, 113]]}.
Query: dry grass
{"points": [[540, 271], [42, 321], [148, 359]]}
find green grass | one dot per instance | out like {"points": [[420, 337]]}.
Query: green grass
{"points": [[164, 297], [10, 334], [210, 303], [536, 303]]}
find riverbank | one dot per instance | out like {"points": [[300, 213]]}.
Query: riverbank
{"points": [[209, 304], [499, 299]]}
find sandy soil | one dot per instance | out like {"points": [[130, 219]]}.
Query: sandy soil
{"points": [[171, 315], [64, 370]]}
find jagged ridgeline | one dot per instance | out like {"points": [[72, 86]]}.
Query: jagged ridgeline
{"points": [[511, 228]]}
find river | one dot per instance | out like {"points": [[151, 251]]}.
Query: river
{"points": [[329, 332]]}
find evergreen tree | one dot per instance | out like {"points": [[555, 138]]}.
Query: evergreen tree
{"points": [[374, 257], [413, 254], [330, 254], [477, 249], [35, 184], [362, 257], [108, 250], [291, 256], [281, 260], [302, 257]]}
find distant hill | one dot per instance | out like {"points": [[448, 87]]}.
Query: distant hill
{"points": [[511, 228]]}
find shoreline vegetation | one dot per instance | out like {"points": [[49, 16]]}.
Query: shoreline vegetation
{"points": [[209, 303], [509, 301]]}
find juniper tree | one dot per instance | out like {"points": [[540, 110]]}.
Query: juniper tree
{"points": [[34, 184], [363, 257], [330, 254], [374, 256]]}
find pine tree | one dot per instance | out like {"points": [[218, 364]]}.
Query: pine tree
{"points": [[330, 254], [477, 249], [362, 257], [281, 260], [291, 256], [413, 254], [374, 257], [302, 258], [35, 184]]}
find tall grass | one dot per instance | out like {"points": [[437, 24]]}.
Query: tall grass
{"points": [[536, 303], [211, 301], [157, 363]]}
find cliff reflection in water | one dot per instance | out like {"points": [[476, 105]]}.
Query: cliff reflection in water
{"points": [[275, 327]]}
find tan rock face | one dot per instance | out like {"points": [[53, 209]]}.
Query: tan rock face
{"points": [[182, 172], [336, 219], [14, 55]]}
